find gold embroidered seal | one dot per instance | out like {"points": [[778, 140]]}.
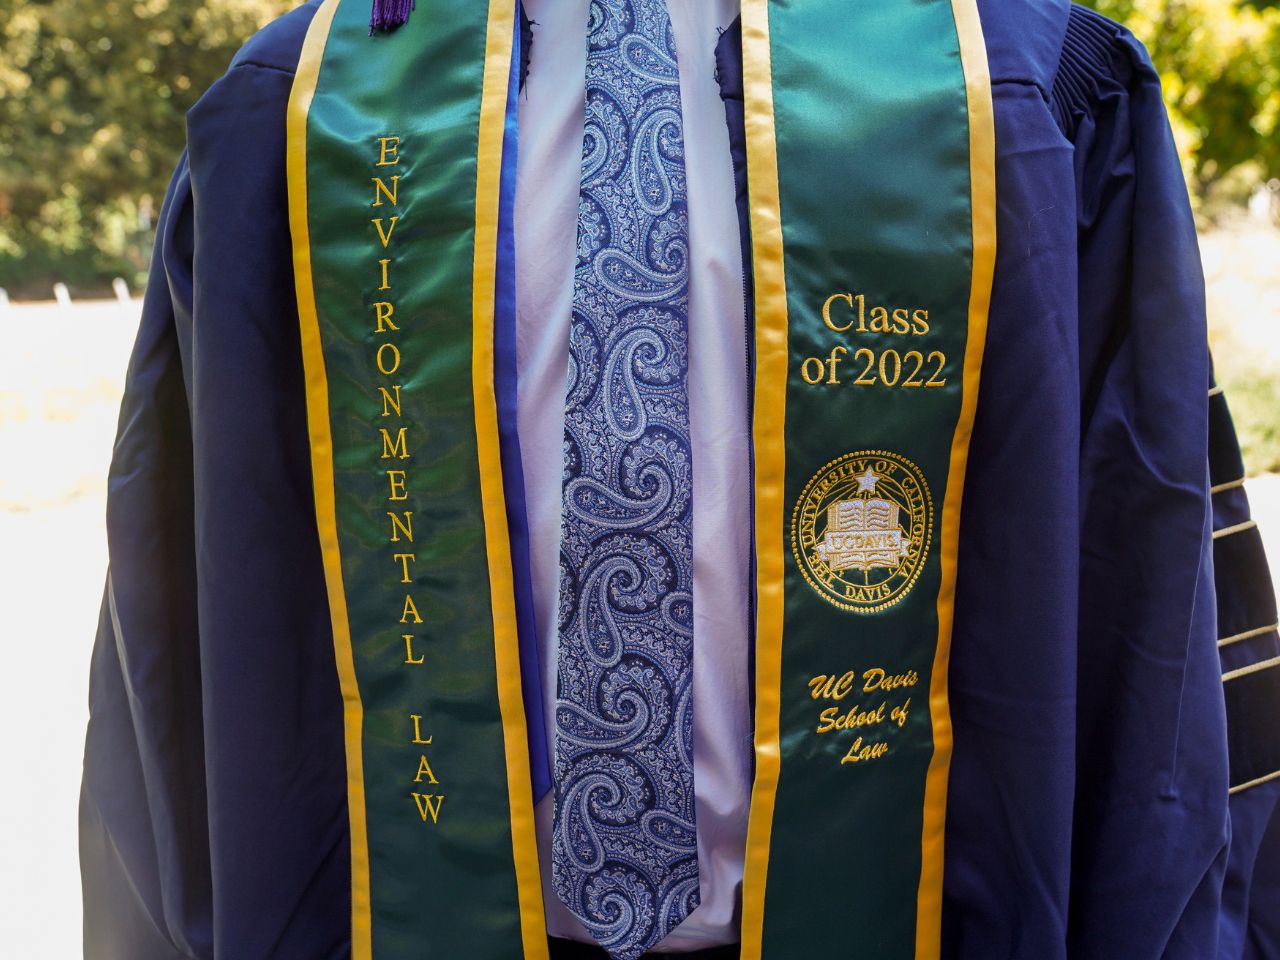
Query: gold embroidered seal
{"points": [[860, 531]]}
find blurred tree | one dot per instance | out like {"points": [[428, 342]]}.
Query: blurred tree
{"points": [[93, 93], [92, 100], [1219, 61]]}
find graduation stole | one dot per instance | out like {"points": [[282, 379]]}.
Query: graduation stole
{"points": [[871, 165], [401, 174], [871, 168]]}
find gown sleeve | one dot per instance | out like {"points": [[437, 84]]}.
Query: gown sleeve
{"points": [[213, 810], [1151, 830], [1250, 654], [144, 848]]}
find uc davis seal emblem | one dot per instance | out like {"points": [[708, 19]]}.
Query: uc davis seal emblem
{"points": [[861, 530]]}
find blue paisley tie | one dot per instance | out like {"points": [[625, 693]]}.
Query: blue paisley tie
{"points": [[624, 854]]}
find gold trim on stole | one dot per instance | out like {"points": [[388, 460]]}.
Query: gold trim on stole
{"points": [[493, 114], [770, 419], [982, 193], [770, 454], [317, 389]]}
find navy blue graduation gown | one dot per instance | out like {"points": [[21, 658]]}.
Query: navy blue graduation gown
{"points": [[1089, 814]]}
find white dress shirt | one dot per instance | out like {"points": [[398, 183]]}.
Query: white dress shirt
{"points": [[547, 185]]}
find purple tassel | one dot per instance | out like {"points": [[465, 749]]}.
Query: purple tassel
{"points": [[389, 14]]}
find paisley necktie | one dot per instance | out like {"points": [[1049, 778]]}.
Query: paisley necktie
{"points": [[624, 854]]}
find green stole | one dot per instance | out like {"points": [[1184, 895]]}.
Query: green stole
{"points": [[871, 169], [394, 163], [871, 160]]}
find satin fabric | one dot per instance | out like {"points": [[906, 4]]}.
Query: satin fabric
{"points": [[1082, 823], [877, 220], [1087, 811], [424, 636]]}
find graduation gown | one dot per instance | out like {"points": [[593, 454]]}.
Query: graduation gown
{"points": [[1095, 738]]}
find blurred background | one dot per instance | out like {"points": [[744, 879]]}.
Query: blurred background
{"points": [[92, 99]]}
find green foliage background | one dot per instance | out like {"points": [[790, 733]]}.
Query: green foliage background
{"points": [[1219, 61], [92, 99], [93, 94]]}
